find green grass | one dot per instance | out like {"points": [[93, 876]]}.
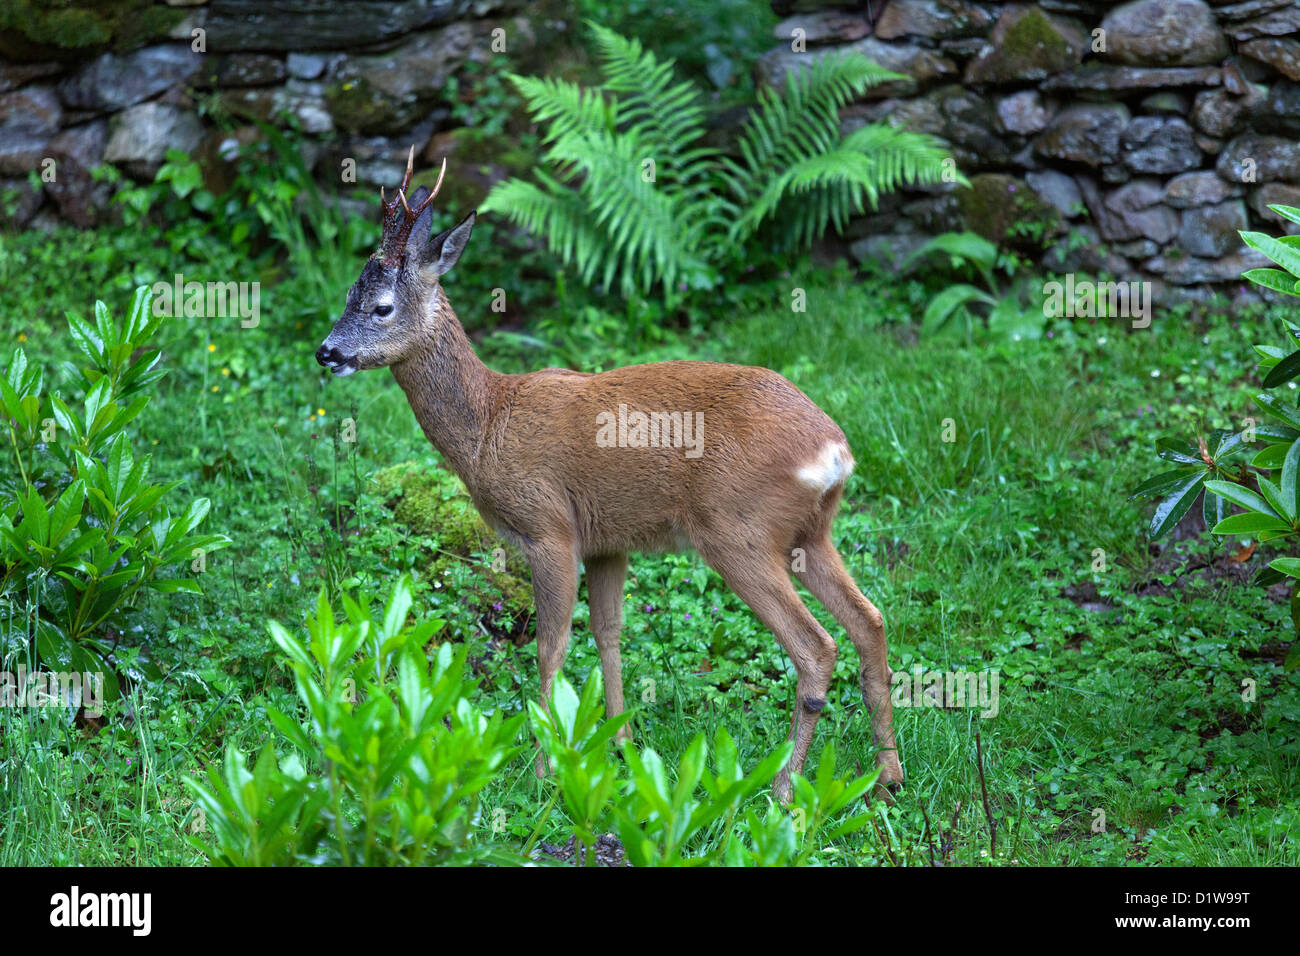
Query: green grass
{"points": [[979, 551]]}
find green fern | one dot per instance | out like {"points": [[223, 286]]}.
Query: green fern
{"points": [[635, 200]]}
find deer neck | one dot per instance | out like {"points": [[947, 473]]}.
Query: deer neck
{"points": [[449, 389]]}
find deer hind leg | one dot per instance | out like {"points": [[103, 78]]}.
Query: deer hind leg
{"points": [[765, 586], [555, 591], [605, 577], [826, 577]]}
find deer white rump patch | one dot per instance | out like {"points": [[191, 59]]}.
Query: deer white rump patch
{"points": [[830, 468]]}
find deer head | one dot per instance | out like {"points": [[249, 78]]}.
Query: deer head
{"points": [[393, 305]]}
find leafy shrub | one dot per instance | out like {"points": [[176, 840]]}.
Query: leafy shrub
{"points": [[637, 197], [391, 762], [83, 532], [1230, 468], [1008, 316], [396, 755]]}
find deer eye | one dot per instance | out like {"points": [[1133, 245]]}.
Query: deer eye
{"points": [[383, 310]]}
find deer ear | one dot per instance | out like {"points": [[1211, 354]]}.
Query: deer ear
{"points": [[445, 248]]}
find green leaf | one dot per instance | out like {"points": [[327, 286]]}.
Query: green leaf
{"points": [[1241, 496], [1286, 212], [1283, 371], [1281, 253], [1170, 511], [1288, 566], [1274, 279], [1250, 523], [1163, 483]]}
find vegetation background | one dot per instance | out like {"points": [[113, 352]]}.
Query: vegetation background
{"points": [[1145, 714]]}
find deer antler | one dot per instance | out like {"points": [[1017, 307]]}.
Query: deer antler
{"points": [[396, 234]]}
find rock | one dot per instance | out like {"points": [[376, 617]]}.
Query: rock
{"points": [[268, 104], [307, 25], [1250, 9], [888, 252], [822, 27], [1279, 111], [26, 201], [1085, 134], [81, 199], [111, 82], [1027, 44], [1191, 270], [1023, 113], [14, 75], [921, 115], [969, 122], [34, 108], [1199, 189], [1218, 113], [932, 19], [140, 136], [1135, 211], [1164, 33], [1057, 189], [1083, 251], [21, 151], [1137, 249], [386, 93], [1280, 23], [311, 66], [935, 214], [1211, 231], [1254, 158], [920, 66], [1004, 210], [1104, 77], [1160, 144], [244, 69], [1276, 194], [1235, 80]]}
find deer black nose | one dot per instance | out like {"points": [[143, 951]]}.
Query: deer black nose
{"points": [[328, 356]]}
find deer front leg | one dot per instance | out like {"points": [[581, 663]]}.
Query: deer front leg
{"points": [[555, 591], [605, 577]]}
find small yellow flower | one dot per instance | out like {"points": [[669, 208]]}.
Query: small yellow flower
{"points": [[211, 347], [320, 412], [312, 418], [225, 371], [22, 336], [216, 388]]}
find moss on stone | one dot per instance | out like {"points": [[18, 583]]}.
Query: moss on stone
{"points": [[1005, 211], [433, 503], [33, 30]]}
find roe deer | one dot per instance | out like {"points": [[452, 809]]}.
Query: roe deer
{"points": [[579, 468]]}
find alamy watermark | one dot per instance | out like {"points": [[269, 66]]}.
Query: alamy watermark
{"points": [[53, 689], [636, 429], [1085, 299], [948, 689], [209, 300]]}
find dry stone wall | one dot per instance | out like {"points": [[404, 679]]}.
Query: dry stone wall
{"points": [[122, 81], [1135, 138]]}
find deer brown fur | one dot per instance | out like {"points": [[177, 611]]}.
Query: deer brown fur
{"points": [[757, 500]]}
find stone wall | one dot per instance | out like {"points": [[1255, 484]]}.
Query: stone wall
{"points": [[1138, 137], [122, 81]]}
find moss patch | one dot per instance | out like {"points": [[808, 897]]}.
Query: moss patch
{"points": [[433, 503], [1005, 211], [32, 30]]}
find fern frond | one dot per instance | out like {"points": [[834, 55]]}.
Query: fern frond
{"points": [[564, 108], [793, 158], [667, 117]]}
